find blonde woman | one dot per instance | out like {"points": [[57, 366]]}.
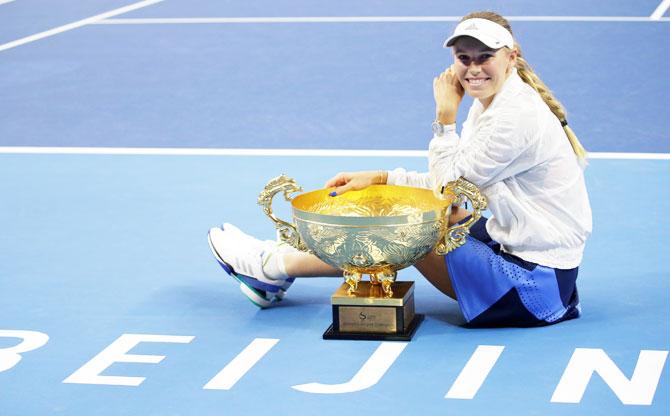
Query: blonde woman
{"points": [[518, 267]]}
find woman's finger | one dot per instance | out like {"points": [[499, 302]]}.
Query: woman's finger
{"points": [[342, 189], [336, 180], [330, 182]]}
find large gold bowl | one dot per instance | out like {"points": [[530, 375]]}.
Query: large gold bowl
{"points": [[377, 231]]}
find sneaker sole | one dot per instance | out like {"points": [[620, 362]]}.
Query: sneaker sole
{"points": [[249, 290]]}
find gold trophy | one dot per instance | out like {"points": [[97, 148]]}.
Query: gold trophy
{"points": [[375, 231]]}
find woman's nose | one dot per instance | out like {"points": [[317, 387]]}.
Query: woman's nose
{"points": [[474, 68]]}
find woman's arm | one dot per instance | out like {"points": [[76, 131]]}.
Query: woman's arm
{"points": [[400, 176], [348, 181], [495, 151], [495, 146], [353, 181]]}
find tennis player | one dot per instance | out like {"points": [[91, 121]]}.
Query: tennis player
{"points": [[517, 268]]}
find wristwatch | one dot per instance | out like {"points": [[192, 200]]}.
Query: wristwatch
{"points": [[440, 130]]}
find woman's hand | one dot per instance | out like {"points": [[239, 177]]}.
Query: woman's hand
{"points": [[353, 181], [448, 93]]}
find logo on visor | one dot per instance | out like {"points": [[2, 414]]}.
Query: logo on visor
{"points": [[471, 27]]}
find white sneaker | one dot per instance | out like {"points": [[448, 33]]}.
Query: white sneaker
{"points": [[277, 246], [242, 258]]}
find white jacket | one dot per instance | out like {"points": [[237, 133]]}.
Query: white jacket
{"points": [[518, 155]]}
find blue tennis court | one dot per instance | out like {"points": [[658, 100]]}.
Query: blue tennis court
{"points": [[127, 130]]}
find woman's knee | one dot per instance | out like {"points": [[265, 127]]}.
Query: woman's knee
{"points": [[458, 214]]}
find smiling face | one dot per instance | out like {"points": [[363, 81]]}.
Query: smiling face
{"points": [[481, 70]]}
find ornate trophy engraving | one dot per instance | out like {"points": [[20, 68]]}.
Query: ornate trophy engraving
{"points": [[375, 231]]}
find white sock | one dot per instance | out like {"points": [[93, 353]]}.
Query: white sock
{"points": [[273, 265], [283, 247]]}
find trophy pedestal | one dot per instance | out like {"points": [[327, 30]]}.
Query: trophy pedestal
{"points": [[371, 315]]}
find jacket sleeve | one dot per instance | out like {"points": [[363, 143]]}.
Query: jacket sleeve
{"points": [[494, 151], [400, 176]]}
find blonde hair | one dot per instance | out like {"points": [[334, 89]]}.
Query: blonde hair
{"points": [[527, 74]]}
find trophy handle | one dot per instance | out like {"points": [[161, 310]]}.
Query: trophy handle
{"points": [[288, 233], [456, 234]]}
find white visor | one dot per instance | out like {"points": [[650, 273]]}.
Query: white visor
{"points": [[487, 32]]}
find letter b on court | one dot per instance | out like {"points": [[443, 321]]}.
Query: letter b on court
{"points": [[30, 340]]}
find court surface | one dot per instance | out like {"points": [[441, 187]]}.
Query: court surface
{"points": [[127, 130]]}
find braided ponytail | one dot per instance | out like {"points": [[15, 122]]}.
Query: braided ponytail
{"points": [[528, 76]]}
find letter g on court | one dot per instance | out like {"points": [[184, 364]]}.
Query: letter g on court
{"points": [[30, 340]]}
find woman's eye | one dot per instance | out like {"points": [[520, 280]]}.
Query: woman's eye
{"points": [[485, 57], [465, 59]]}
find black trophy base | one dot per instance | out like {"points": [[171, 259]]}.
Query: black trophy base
{"points": [[407, 335]]}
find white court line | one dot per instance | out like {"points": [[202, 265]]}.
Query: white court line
{"points": [[624, 155], [160, 151], [660, 10], [77, 24], [363, 19]]}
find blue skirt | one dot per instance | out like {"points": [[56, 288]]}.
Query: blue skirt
{"points": [[497, 289]]}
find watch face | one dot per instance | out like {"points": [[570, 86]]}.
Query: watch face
{"points": [[438, 129]]}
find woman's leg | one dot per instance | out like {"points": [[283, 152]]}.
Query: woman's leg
{"points": [[434, 268], [308, 265], [458, 214]]}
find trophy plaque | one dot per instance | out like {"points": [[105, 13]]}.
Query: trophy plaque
{"points": [[375, 231], [372, 315]]}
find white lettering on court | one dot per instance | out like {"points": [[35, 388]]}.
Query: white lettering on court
{"points": [[241, 364], [116, 352], [30, 340], [639, 390], [369, 374], [474, 373]]}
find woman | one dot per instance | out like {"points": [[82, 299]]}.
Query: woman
{"points": [[517, 268]]}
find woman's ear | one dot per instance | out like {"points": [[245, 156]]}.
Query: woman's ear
{"points": [[513, 54], [512, 58]]}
